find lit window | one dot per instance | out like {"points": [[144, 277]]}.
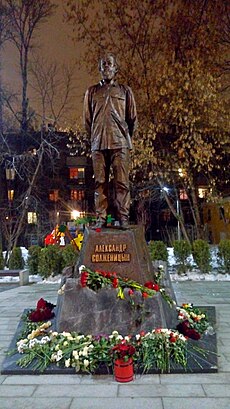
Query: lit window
{"points": [[202, 192], [77, 173], [77, 194], [10, 195], [183, 194], [53, 195], [32, 217]]}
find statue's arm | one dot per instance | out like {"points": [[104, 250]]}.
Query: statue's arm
{"points": [[131, 112], [87, 112]]}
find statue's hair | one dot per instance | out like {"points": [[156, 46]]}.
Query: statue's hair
{"points": [[105, 55]]}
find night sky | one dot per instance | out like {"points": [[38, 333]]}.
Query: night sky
{"points": [[55, 42]]}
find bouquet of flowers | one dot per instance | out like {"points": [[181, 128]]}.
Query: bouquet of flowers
{"points": [[99, 279], [123, 351], [193, 322]]}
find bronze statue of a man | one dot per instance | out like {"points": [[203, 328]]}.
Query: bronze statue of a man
{"points": [[110, 119]]}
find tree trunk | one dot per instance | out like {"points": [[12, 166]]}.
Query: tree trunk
{"points": [[196, 213]]}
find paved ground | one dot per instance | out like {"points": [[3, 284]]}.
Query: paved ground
{"points": [[207, 391], [7, 286]]}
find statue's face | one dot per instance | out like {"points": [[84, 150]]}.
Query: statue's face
{"points": [[108, 67]]}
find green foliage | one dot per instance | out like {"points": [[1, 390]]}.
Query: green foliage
{"points": [[182, 250], [224, 254], [33, 259], [158, 250], [50, 261], [16, 261], [201, 255], [1, 260], [69, 255]]}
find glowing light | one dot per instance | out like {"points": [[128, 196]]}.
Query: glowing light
{"points": [[75, 214]]}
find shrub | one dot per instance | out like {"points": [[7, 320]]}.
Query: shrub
{"points": [[69, 255], [16, 261], [33, 259], [202, 255], [158, 250], [50, 261], [182, 250], [224, 254], [1, 260]]}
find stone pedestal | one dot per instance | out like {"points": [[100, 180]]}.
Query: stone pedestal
{"points": [[88, 312], [85, 311], [122, 251]]}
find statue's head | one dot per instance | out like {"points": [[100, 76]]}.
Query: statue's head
{"points": [[108, 66]]}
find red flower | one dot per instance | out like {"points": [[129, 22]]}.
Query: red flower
{"points": [[184, 328], [123, 350], [115, 282], [193, 334], [41, 315], [142, 333], [98, 230], [131, 292], [145, 295], [152, 286], [84, 278], [41, 304]]}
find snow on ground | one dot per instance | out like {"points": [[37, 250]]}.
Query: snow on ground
{"points": [[193, 273]]}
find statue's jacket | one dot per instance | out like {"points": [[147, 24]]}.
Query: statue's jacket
{"points": [[110, 116]]}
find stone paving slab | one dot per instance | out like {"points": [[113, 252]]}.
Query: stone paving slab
{"points": [[96, 390], [184, 390], [217, 390], [196, 403], [196, 378], [119, 403], [15, 390], [38, 403]]}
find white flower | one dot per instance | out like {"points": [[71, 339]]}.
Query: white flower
{"points": [[65, 343], [86, 363], [59, 355], [67, 363], [53, 333], [138, 337], [66, 334], [82, 267], [32, 343], [44, 340], [79, 337], [53, 357], [22, 345], [61, 290], [85, 351], [75, 354], [57, 347]]}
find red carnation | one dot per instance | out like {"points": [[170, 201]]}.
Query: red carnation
{"points": [[149, 285], [152, 286], [156, 287], [193, 334], [131, 292], [41, 304], [115, 282], [145, 295], [84, 278]]}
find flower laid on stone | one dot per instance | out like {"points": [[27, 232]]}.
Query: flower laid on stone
{"points": [[43, 312], [100, 279], [193, 322], [159, 348]]}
